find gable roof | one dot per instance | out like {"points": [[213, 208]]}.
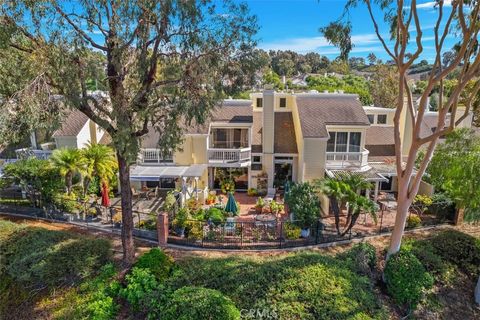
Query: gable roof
{"points": [[318, 110], [72, 125]]}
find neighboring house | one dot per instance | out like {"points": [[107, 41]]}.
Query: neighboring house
{"points": [[77, 131]]}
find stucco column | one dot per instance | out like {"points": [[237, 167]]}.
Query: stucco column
{"points": [[375, 194], [162, 228]]}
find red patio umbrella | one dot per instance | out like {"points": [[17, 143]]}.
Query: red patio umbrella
{"points": [[105, 197]]}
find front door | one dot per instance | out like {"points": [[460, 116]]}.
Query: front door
{"points": [[283, 174]]}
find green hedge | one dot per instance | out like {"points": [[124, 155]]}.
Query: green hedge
{"points": [[295, 286], [197, 303], [406, 279]]}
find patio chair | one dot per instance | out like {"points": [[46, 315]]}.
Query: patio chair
{"points": [[135, 193], [153, 193]]}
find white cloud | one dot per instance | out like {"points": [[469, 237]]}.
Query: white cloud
{"points": [[431, 4], [320, 44]]}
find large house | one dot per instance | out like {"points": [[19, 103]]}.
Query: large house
{"points": [[267, 140]]}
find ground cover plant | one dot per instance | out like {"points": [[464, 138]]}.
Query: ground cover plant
{"points": [[36, 260], [72, 279]]}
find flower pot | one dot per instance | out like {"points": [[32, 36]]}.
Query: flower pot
{"points": [[180, 231], [305, 233]]}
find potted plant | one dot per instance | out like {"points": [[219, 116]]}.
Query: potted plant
{"points": [[303, 203], [227, 186], [210, 199], [276, 207], [252, 192], [259, 205], [180, 221], [117, 220]]}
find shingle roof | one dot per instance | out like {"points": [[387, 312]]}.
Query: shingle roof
{"points": [[318, 110], [378, 135], [231, 111], [429, 123], [284, 133], [72, 125]]}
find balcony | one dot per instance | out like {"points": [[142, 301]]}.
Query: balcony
{"points": [[154, 156], [229, 157], [28, 152], [343, 160]]}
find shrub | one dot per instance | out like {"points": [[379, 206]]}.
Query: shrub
{"points": [[215, 215], [252, 192], [195, 229], [413, 221], [442, 207], [181, 218], [304, 285], [303, 202], [143, 292], [406, 279], [197, 303], [362, 258], [291, 231], [150, 224], [157, 262], [425, 252], [458, 248]]}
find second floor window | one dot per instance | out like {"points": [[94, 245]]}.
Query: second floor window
{"points": [[371, 118], [229, 138], [259, 102], [344, 142], [382, 119], [283, 102]]}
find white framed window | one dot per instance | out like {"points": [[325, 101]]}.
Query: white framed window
{"points": [[256, 159], [344, 141], [371, 118], [259, 102], [283, 102], [382, 119]]}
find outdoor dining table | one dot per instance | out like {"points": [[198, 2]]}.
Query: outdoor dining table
{"points": [[265, 220]]}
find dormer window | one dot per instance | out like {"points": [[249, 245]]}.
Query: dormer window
{"points": [[259, 102], [371, 118], [382, 119], [283, 102]]}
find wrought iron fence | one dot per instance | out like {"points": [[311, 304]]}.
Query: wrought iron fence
{"points": [[231, 234]]}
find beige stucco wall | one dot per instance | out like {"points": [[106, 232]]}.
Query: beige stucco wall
{"points": [[299, 139], [314, 158], [66, 142], [184, 155]]}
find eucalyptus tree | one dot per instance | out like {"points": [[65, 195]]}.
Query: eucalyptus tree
{"points": [[405, 48], [165, 65]]}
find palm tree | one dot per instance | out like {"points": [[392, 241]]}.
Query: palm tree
{"points": [[357, 205], [100, 163], [337, 192], [69, 162]]}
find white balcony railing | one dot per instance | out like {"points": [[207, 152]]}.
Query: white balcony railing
{"points": [[39, 154], [152, 155], [229, 156], [338, 160]]}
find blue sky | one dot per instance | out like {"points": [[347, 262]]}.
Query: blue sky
{"points": [[293, 25]]}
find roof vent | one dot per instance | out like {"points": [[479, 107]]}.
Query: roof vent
{"points": [[341, 91], [325, 91], [313, 91]]}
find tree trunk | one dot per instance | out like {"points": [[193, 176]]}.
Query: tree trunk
{"points": [[334, 205], [127, 217], [399, 227], [477, 291]]}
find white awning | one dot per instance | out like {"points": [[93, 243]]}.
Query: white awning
{"points": [[154, 173]]}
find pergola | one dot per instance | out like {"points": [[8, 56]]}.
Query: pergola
{"points": [[156, 172], [373, 174]]}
